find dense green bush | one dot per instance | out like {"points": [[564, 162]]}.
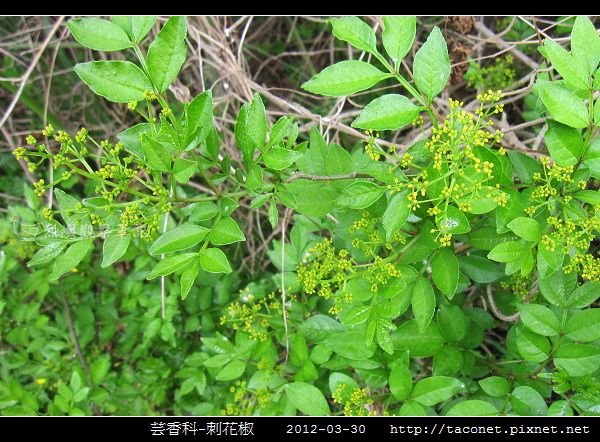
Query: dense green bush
{"points": [[454, 276]]}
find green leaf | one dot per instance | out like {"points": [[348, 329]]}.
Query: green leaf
{"points": [[255, 180], [114, 247], [257, 122], [431, 66], [411, 408], [156, 154], [171, 264], [131, 138], [304, 200], [584, 326], [398, 36], [47, 253], [356, 32], [444, 271], [218, 360], [423, 302], [400, 382], [199, 117], [383, 335], [202, 211], [320, 354], [453, 221], [585, 43], [473, 407], [591, 157], [565, 144], [577, 359], [279, 130], [99, 34], [549, 260], [180, 238], [554, 289], [167, 53], [480, 269], [584, 295], [568, 66], [482, 200], [560, 408], [226, 231], [448, 361], [346, 345], [357, 315], [452, 322], [118, 81], [345, 78], [495, 386], [242, 136], [136, 26], [71, 258], [531, 346], [318, 328], [307, 398], [524, 166], [395, 215], [213, 260], [562, 104], [279, 158], [388, 112], [539, 319], [188, 277], [526, 228], [99, 369], [67, 205], [360, 194], [184, 169], [526, 401], [435, 389], [588, 196], [360, 289], [420, 344], [231, 371], [273, 213], [298, 351], [337, 379], [509, 251]]}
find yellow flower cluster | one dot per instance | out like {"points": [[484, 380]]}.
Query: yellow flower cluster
{"points": [[48, 131], [131, 216], [254, 316], [518, 285], [355, 403], [82, 135], [245, 402], [107, 171], [588, 264], [39, 187], [406, 160], [445, 240], [325, 272], [371, 148], [380, 272], [150, 96]]}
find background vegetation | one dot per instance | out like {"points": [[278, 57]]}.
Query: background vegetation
{"points": [[491, 328]]}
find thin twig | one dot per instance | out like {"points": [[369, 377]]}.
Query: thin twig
{"points": [[30, 69], [496, 311], [347, 176], [84, 364], [283, 298]]}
